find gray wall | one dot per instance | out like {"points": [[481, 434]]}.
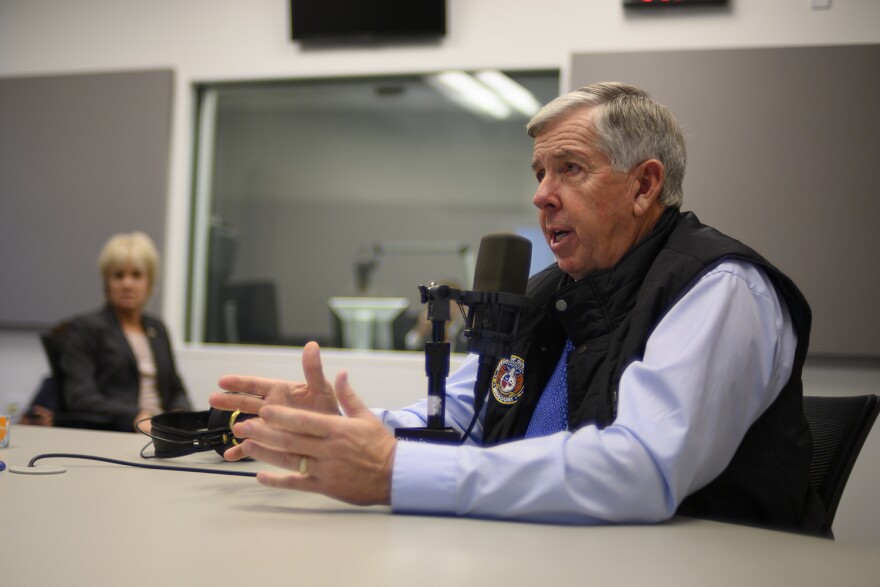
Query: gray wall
{"points": [[82, 157], [783, 146]]}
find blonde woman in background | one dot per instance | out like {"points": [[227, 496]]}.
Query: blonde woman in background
{"points": [[117, 362]]}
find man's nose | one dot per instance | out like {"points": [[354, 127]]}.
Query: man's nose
{"points": [[546, 196]]}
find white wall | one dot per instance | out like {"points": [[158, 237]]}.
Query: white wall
{"points": [[206, 40], [233, 40], [211, 40]]}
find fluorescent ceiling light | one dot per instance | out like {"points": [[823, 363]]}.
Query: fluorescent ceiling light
{"points": [[521, 99], [471, 94]]}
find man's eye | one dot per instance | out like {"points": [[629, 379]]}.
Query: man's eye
{"points": [[540, 176], [571, 167]]}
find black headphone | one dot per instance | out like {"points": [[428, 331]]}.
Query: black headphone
{"points": [[176, 434]]}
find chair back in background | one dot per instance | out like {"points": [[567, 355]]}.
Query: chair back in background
{"points": [[839, 426]]}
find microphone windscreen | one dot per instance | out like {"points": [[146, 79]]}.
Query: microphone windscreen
{"points": [[503, 264]]}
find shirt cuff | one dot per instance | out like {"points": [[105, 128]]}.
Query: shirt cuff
{"points": [[423, 479]]}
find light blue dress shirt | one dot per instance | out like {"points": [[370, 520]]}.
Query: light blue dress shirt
{"points": [[712, 366]]}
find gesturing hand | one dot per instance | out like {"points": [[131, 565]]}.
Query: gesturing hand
{"points": [[316, 394], [348, 458]]}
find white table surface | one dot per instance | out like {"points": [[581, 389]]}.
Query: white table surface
{"points": [[105, 524]]}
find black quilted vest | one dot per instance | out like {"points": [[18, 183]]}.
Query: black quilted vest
{"points": [[609, 316]]}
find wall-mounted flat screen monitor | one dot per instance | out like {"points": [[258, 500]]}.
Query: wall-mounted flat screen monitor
{"points": [[366, 20]]}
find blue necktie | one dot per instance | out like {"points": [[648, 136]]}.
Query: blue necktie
{"points": [[551, 413]]}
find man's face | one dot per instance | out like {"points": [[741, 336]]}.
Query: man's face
{"points": [[587, 210]]}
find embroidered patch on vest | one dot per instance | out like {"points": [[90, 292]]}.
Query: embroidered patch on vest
{"points": [[507, 383]]}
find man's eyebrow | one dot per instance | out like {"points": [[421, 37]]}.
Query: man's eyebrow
{"points": [[556, 155]]}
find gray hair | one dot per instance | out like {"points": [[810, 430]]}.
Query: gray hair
{"points": [[630, 127]]}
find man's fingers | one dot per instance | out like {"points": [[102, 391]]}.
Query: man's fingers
{"points": [[349, 401], [281, 437], [279, 458], [313, 368], [236, 401], [259, 386], [234, 453], [241, 384], [301, 422], [288, 481]]}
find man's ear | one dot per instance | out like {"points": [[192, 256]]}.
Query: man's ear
{"points": [[649, 178]]}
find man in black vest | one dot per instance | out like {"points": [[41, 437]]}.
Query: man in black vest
{"points": [[657, 370]]}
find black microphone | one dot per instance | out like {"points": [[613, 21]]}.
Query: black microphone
{"points": [[496, 304], [494, 309]]}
